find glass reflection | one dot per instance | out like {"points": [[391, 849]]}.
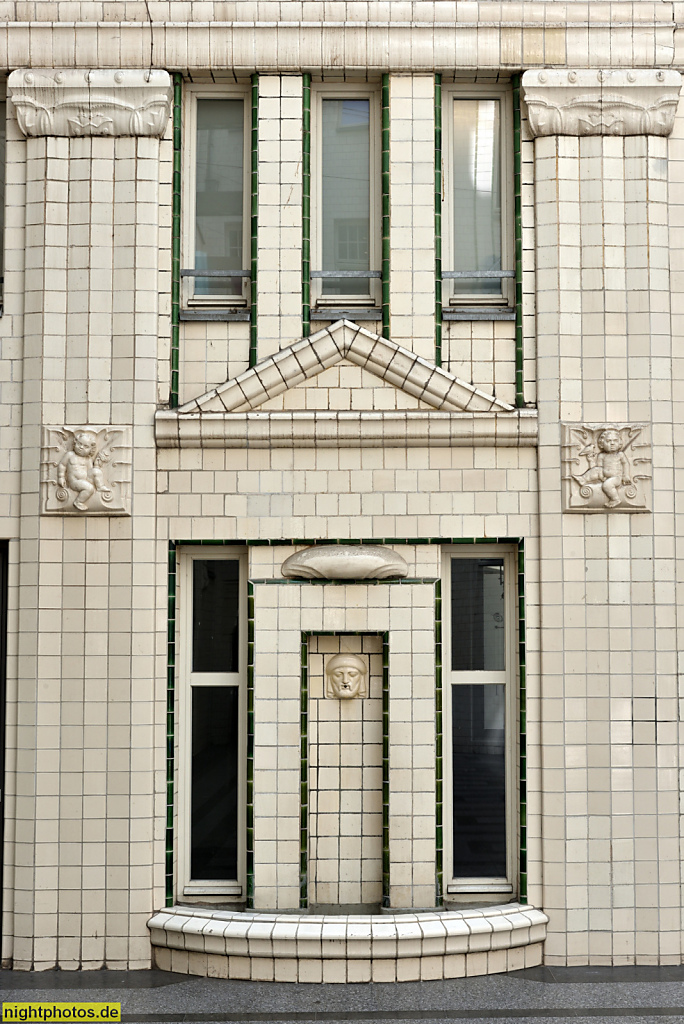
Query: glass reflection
{"points": [[346, 194], [477, 194]]}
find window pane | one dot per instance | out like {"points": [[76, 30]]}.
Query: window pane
{"points": [[215, 625], [479, 792], [214, 813], [346, 193], [477, 194], [478, 624], [219, 194]]}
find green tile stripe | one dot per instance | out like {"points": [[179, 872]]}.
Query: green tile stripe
{"points": [[438, 220], [254, 210], [385, 773], [523, 720], [304, 773], [249, 795], [306, 205], [439, 754], [517, 190], [170, 721], [176, 239], [385, 184]]}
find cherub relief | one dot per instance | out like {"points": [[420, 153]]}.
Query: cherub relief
{"points": [[80, 471], [86, 470], [605, 467]]}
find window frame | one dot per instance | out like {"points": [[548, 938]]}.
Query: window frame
{"points": [[191, 94], [504, 95], [229, 890], [346, 91], [465, 889]]}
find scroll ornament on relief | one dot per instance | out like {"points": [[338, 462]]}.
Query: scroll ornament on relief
{"points": [[85, 470], [606, 467]]}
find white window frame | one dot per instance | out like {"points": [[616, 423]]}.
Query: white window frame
{"points": [[464, 889], [192, 93], [232, 889], [450, 94], [330, 91]]}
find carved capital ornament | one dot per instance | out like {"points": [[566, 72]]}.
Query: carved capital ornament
{"points": [[601, 102], [75, 103]]}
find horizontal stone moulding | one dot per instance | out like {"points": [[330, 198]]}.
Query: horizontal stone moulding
{"points": [[310, 938], [346, 429]]}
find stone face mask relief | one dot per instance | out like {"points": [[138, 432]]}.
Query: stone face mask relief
{"points": [[345, 677]]}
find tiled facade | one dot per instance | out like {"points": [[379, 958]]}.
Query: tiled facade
{"points": [[268, 431]]}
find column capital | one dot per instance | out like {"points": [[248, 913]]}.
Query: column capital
{"points": [[601, 102], [70, 102]]}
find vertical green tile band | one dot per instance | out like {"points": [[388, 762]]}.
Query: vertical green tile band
{"points": [[175, 238], [304, 774], [438, 220], [249, 796], [517, 189], [385, 183], [254, 209], [306, 205], [523, 720], [439, 753], [170, 721], [385, 773]]}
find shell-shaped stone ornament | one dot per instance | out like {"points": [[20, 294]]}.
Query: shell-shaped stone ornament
{"points": [[345, 562]]}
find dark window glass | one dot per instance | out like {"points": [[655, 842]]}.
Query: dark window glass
{"points": [[477, 615], [219, 194], [479, 765], [214, 782], [215, 625]]}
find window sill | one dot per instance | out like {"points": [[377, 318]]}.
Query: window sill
{"points": [[222, 315], [352, 313], [479, 313]]}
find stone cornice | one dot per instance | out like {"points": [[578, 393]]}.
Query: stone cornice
{"points": [[69, 102], [601, 102], [427, 38]]}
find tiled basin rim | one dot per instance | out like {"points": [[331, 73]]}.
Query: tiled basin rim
{"points": [[244, 936]]}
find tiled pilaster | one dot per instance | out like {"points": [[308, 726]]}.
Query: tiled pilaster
{"points": [[279, 262]]}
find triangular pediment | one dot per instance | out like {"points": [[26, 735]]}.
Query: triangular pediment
{"points": [[345, 342]]}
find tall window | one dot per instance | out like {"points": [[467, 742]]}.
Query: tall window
{"points": [[215, 264], [479, 701], [479, 256], [345, 197], [215, 668]]}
